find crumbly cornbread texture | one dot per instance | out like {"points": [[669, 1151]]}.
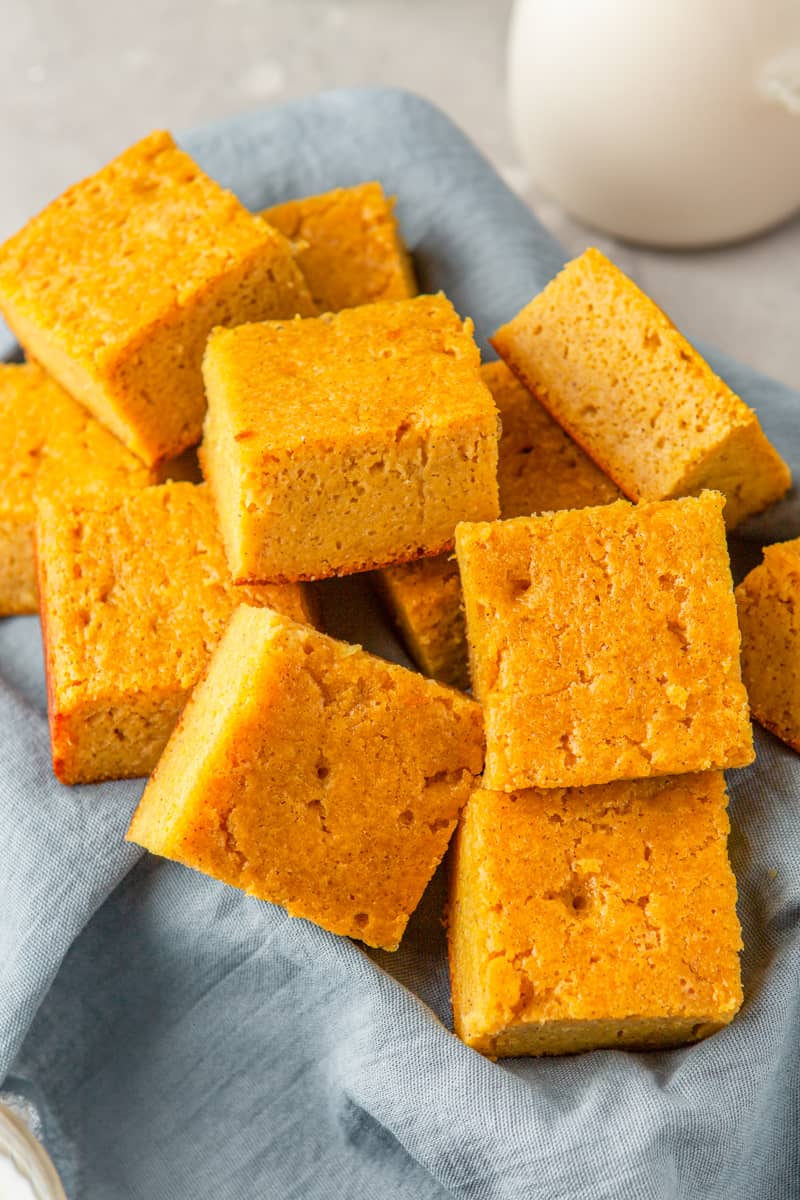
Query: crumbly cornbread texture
{"points": [[311, 774], [48, 444], [590, 917], [615, 372], [116, 285], [135, 593], [769, 618], [539, 469], [347, 442], [424, 600], [604, 643], [348, 246]]}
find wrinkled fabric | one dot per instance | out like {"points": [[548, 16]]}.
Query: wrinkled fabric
{"points": [[183, 1042]]}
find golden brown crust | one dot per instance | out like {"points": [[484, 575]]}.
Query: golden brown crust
{"points": [[772, 727], [357, 568]]}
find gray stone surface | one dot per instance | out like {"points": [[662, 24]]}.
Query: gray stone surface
{"points": [[80, 79]]}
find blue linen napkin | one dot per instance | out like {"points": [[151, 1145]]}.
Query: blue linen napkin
{"points": [[184, 1042]]}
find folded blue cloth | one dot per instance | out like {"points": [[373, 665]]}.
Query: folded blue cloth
{"points": [[182, 1041]]}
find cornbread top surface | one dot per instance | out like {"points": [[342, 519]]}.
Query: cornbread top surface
{"points": [[604, 643], [349, 246], [383, 368], [48, 444], [138, 592], [314, 775], [120, 249], [539, 466], [597, 903], [616, 373]]}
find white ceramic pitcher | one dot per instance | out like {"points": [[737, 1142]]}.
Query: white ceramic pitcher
{"points": [[668, 122], [26, 1172]]}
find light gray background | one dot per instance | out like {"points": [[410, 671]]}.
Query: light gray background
{"points": [[80, 79], [77, 82]]}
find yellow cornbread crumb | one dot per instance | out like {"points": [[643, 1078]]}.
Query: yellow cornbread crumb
{"points": [[349, 247], [116, 285], [311, 774], [135, 593], [48, 444], [769, 618], [611, 368], [424, 600], [590, 917], [346, 442], [578, 623], [539, 469]]}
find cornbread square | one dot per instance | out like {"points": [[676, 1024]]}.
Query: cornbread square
{"points": [[48, 443], [611, 368], [604, 644], [347, 442], [311, 774], [583, 918], [116, 285], [135, 593], [348, 246], [539, 469], [769, 618]]}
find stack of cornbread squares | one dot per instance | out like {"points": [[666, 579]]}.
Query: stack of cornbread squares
{"points": [[346, 424]]}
